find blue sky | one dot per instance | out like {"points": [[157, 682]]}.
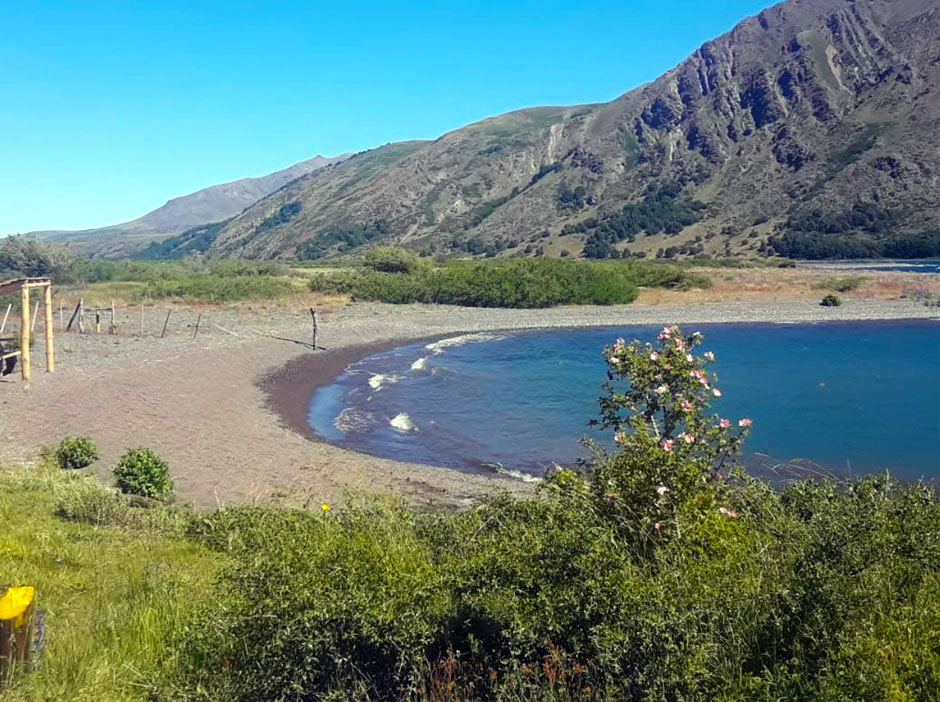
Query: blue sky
{"points": [[111, 108]]}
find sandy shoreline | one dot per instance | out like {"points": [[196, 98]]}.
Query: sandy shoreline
{"points": [[229, 414]]}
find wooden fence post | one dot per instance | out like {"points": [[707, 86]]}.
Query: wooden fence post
{"points": [[141, 318], [166, 321], [47, 305], [313, 314], [24, 336], [81, 315], [32, 327], [198, 320], [16, 629]]}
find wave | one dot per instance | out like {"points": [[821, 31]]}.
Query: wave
{"points": [[379, 380], [352, 419], [438, 347], [420, 364], [500, 469], [402, 422]]}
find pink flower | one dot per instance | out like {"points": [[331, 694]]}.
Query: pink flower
{"points": [[730, 514], [716, 392], [724, 423], [744, 422], [658, 525], [661, 390], [708, 356], [608, 498], [667, 444], [686, 405], [687, 438]]}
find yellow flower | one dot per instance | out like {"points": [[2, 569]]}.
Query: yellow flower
{"points": [[325, 507]]}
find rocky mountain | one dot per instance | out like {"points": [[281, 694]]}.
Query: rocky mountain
{"points": [[814, 124], [212, 204]]}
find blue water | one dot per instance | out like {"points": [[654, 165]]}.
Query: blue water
{"points": [[852, 397], [909, 266]]}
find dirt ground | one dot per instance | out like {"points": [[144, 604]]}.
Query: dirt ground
{"points": [[227, 411]]}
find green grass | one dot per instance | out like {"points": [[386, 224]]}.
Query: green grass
{"points": [[115, 598], [518, 283]]}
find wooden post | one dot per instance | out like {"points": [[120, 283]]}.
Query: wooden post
{"points": [[113, 328], [198, 320], [141, 318], [313, 314], [167, 321], [97, 321], [50, 355], [78, 307], [16, 629], [4, 324], [81, 315], [32, 326], [61, 315], [24, 335]]}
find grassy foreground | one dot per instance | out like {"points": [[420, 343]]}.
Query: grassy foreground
{"points": [[655, 573]]}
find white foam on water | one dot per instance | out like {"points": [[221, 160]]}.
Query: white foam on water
{"points": [[516, 474], [420, 364], [379, 380], [402, 422], [353, 419], [438, 347]]}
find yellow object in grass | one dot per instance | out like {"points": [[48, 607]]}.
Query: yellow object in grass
{"points": [[14, 603], [325, 507]]}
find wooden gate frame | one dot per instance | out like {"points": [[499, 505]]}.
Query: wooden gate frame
{"points": [[23, 285]]}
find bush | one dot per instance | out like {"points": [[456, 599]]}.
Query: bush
{"points": [[842, 285], [140, 471], [88, 500], [831, 300], [391, 259], [518, 283], [76, 452]]}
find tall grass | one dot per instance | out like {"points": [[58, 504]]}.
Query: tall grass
{"points": [[114, 598], [525, 283]]}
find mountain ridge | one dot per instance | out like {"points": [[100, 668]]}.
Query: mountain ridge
{"points": [[813, 112], [207, 205]]}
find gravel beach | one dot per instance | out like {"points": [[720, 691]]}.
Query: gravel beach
{"points": [[229, 412]]}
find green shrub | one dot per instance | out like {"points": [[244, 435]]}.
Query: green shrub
{"points": [[391, 259], [140, 471], [519, 283], [88, 500], [831, 300], [842, 285], [76, 452]]}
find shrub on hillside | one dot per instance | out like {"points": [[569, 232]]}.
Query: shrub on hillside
{"points": [[142, 472], [831, 300], [76, 452]]}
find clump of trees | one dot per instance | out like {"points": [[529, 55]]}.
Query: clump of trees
{"points": [[663, 209], [340, 240], [28, 256]]}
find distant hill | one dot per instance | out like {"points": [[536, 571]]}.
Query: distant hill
{"points": [[212, 204], [813, 125]]}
